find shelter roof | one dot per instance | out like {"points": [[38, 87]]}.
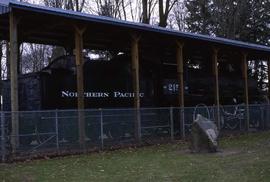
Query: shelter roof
{"points": [[40, 24]]}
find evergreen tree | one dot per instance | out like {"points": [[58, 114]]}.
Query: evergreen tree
{"points": [[246, 20], [257, 29], [229, 17], [198, 17]]}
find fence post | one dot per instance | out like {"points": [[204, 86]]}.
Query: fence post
{"points": [[171, 121], [139, 124], [262, 124], [266, 116], [101, 129], [56, 130], [3, 141], [182, 122], [247, 117], [267, 110]]}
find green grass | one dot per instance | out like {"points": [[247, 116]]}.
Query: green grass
{"points": [[243, 158]]}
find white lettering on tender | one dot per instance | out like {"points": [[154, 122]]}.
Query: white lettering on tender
{"points": [[126, 95], [68, 94]]}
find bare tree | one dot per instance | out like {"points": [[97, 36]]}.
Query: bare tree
{"points": [[110, 8], [75, 5], [179, 14], [164, 11], [148, 7], [34, 57], [55, 3]]}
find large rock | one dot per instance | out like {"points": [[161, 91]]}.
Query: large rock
{"points": [[204, 135]]}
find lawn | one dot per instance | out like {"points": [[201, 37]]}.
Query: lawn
{"points": [[242, 158]]}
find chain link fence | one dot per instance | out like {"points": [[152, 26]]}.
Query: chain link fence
{"points": [[57, 132]]}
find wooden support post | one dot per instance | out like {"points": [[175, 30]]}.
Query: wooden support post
{"points": [[180, 72], [80, 84], [245, 77], [216, 83], [13, 23], [180, 76], [19, 60], [136, 83]]}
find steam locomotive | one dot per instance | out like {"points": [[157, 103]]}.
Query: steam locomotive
{"points": [[108, 84]]}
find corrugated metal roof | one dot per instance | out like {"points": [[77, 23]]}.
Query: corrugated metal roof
{"points": [[134, 26]]}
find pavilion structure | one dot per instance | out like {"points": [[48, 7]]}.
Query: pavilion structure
{"points": [[22, 22]]}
